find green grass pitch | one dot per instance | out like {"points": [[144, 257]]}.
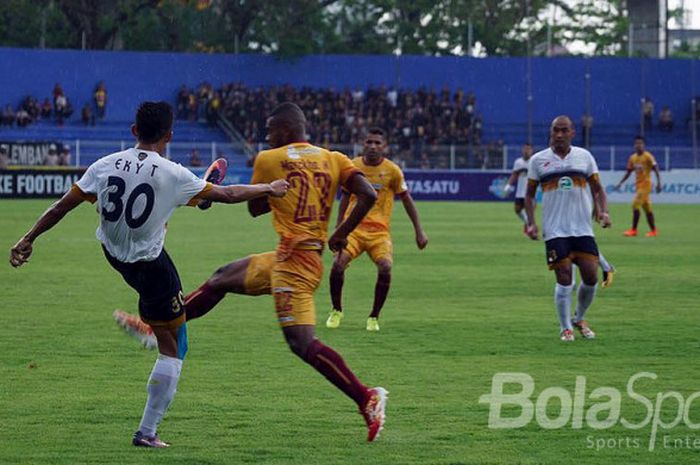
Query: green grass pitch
{"points": [[478, 301]]}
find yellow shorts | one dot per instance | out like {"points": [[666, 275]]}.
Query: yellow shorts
{"points": [[294, 281], [257, 277], [377, 244], [641, 199]]}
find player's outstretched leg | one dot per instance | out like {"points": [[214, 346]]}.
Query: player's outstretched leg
{"points": [[586, 293], [381, 291], [371, 402], [230, 278], [562, 300], [337, 278], [162, 384]]}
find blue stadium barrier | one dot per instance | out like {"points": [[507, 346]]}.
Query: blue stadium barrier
{"points": [[559, 84]]}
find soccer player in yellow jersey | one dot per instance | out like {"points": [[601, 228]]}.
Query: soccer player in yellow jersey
{"points": [[293, 272], [372, 235], [642, 163]]}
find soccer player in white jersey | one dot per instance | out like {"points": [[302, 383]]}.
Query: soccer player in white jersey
{"points": [[136, 191], [565, 171], [519, 176]]}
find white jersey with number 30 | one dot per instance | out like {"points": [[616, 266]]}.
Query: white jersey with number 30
{"points": [[136, 193]]}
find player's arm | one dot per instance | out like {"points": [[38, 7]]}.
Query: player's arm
{"points": [[259, 206], [22, 250], [366, 196], [410, 206], [508, 188], [600, 200], [530, 205], [630, 168], [658, 177], [343, 206], [243, 192]]}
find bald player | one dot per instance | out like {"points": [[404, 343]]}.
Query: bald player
{"points": [[565, 172]]}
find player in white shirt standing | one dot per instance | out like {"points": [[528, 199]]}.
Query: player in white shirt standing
{"points": [[136, 191], [565, 172], [519, 175]]}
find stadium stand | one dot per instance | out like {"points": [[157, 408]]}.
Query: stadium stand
{"points": [[498, 85]]}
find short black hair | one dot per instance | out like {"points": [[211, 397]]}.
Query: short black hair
{"points": [[153, 121], [377, 131], [288, 111], [638, 137], [290, 116]]}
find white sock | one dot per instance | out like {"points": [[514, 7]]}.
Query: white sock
{"points": [[603, 263], [161, 389], [523, 215], [562, 301], [585, 298]]}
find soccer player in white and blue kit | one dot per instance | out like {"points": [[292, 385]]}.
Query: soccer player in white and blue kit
{"points": [[136, 191], [565, 172]]}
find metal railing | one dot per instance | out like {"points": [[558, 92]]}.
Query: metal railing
{"points": [[451, 157], [85, 152]]}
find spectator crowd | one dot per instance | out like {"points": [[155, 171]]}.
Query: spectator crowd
{"points": [[58, 108], [420, 123]]}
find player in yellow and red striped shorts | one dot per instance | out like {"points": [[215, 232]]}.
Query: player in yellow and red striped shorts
{"points": [[372, 234]]}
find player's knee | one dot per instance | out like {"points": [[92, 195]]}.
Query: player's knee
{"points": [[298, 346], [338, 267], [216, 280], [228, 278], [384, 267], [564, 276]]}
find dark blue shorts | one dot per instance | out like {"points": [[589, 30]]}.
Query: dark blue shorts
{"points": [[566, 249], [158, 286]]}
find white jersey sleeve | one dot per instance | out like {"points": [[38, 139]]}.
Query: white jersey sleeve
{"points": [[532, 171], [88, 182], [592, 165], [189, 185]]}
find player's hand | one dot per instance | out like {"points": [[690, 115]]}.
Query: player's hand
{"points": [[532, 232], [337, 242], [658, 188], [604, 220], [421, 240], [508, 189], [617, 188], [20, 253], [279, 187]]}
